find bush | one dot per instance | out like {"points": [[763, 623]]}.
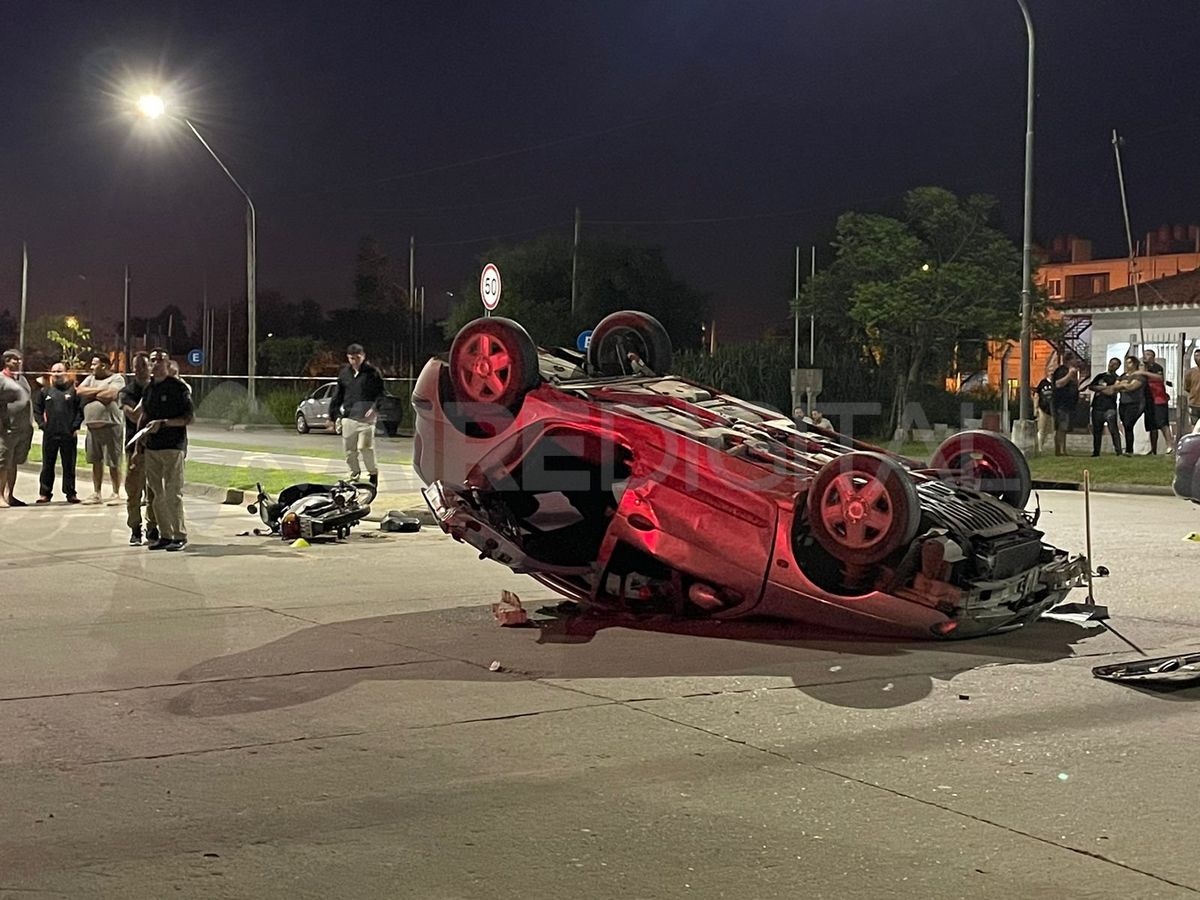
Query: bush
{"points": [[280, 405]]}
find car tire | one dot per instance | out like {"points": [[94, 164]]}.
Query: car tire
{"points": [[625, 332], [991, 461], [337, 427], [863, 507], [301, 423], [493, 365]]}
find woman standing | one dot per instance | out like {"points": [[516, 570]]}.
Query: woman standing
{"points": [[1131, 395]]}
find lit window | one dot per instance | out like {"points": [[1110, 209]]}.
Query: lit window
{"points": [[1054, 285]]}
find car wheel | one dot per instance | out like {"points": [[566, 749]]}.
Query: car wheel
{"points": [[989, 461], [862, 507], [493, 365], [622, 333], [301, 423], [337, 427]]}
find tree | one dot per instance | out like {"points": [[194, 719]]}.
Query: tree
{"points": [[382, 315], [906, 292], [9, 329], [74, 340], [288, 355], [611, 276]]}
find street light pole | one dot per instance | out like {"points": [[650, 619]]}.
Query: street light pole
{"points": [[251, 269], [1026, 430]]}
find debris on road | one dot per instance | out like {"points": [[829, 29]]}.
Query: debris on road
{"points": [[508, 611], [495, 666], [300, 544], [396, 521], [1171, 671]]}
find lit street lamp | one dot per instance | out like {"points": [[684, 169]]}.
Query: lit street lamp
{"points": [[151, 106]]}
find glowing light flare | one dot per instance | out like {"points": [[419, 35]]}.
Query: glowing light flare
{"points": [[151, 106]]}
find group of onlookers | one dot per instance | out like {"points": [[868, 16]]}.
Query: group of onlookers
{"points": [[141, 420], [1127, 391]]}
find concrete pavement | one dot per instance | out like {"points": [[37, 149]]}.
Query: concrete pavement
{"points": [[248, 720]]}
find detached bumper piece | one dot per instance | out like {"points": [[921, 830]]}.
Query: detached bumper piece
{"points": [[1161, 673]]}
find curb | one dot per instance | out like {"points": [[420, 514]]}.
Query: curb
{"points": [[1153, 490]]}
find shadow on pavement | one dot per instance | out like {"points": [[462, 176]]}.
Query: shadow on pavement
{"points": [[461, 643]]}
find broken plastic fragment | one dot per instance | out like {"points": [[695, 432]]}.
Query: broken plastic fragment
{"points": [[495, 666], [508, 611]]}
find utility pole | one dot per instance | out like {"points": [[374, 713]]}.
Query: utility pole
{"points": [[574, 263], [796, 314], [125, 330], [1025, 435], [412, 287], [1137, 300], [24, 294], [204, 329], [229, 339], [812, 317]]}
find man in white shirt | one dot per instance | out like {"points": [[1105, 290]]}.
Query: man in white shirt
{"points": [[105, 423]]}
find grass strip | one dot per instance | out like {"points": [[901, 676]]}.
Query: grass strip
{"points": [[381, 452], [236, 477]]}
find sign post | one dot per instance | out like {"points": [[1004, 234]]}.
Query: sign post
{"points": [[489, 288]]}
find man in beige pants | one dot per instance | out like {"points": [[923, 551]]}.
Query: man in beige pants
{"points": [[166, 411], [356, 402]]}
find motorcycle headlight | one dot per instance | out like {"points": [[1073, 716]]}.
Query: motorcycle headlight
{"points": [[289, 526]]}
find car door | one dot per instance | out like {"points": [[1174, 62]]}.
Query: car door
{"points": [[316, 407]]}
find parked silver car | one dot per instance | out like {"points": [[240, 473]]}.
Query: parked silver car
{"points": [[312, 413]]}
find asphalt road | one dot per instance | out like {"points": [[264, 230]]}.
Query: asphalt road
{"points": [[287, 450], [249, 720]]}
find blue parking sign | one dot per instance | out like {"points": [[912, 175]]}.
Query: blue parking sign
{"points": [[581, 342], [195, 357]]}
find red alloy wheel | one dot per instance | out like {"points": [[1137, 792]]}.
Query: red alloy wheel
{"points": [[485, 368], [858, 509], [987, 462], [862, 507], [493, 364]]}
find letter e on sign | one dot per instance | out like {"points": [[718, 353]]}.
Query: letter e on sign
{"points": [[489, 286]]}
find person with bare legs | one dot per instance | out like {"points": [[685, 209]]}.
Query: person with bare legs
{"points": [[16, 425], [1158, 404], [99, 393]]}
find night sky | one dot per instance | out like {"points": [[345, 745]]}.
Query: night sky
{"points": [[726, 132]]}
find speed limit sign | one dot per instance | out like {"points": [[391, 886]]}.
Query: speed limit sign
{"points": [[489, 286]]}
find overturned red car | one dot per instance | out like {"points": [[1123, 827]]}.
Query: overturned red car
{"points": [[625, 488]]}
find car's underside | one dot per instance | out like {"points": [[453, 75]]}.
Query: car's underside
{"points": [[656, 494]]}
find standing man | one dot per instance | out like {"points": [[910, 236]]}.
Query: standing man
{"points": [[356, 402], [16, 425], [1158, 404], [1191, 386], [99, 394], [1066, 398], [1104, 407], [57, 411], [167, 411], [135, 461]]}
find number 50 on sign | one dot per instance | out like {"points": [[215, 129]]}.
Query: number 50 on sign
{"points": [[489, 286]]}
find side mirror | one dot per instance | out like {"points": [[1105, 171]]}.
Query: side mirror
{"points": [[252, 508]]}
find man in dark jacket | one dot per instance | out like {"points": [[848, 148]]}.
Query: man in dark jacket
{"points": [[58, 412], [356, 403]]}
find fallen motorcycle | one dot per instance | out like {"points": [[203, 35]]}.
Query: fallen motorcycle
{"points": [[314, 510]]}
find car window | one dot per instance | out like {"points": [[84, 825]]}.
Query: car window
{"points": [[324, 392]]}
